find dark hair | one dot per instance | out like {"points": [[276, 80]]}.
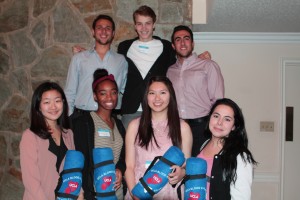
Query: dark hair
{"points": [[39, 125], [144, 11], [145, 131], [104, 17], [182, 28], [100, 73], [235, 144]]}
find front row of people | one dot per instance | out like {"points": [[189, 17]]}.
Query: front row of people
{"points": [[44, 144]]}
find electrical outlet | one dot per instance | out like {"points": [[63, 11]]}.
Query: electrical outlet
{"points": [[266, 126]]}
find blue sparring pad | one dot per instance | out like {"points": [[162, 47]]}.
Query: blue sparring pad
{"points": [[156, 177], [71, 176], [104, 173], [195, 185]]}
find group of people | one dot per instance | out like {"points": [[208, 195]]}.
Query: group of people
{"points": [[164, 94]]}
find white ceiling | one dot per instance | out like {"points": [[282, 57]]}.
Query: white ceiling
{"points": [[251, 16]]}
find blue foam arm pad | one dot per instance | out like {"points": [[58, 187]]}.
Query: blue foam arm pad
{"points": [[105, 175], [71, 181], [157, 177], [195, 188]]}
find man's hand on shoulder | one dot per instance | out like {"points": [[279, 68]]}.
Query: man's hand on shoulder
{"points": [[205, 55], [77, 49]]}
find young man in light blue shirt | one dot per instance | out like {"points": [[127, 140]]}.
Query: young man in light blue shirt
{"points": [[78, 87]]}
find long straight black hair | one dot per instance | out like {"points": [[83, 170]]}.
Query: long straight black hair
{"points": [[235, 144], [145, 131], [39, 125]]}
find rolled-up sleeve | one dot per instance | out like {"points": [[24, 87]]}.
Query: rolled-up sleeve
{"points": [[72, 84], [215, 82]]}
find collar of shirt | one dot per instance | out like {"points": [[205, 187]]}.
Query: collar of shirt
{"points": [[93, 50], [192, 57]]}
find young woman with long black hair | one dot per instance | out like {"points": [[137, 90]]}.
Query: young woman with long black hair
{"points": [[152, 134], [229, 161]]}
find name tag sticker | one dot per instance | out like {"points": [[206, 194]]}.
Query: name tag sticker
{"points": [[147, 164], [103, 132], [143, 49]]}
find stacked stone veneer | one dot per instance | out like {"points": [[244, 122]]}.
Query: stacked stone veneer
{"points": [[36, 37]]}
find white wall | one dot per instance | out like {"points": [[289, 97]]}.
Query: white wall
{"points": [[251, 66]]}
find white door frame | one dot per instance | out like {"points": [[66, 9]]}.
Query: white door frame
{"points": [[285, 62]]}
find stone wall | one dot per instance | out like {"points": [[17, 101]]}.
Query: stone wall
{"points": [[36, 37]]}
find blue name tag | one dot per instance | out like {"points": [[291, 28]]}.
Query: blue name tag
{"points": [[143, 47]]}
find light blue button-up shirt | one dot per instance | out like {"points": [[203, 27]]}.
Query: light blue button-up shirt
{"points": [[78, 88]]}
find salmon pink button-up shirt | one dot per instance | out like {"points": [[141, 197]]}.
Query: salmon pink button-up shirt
{"points": [[198, 84]]}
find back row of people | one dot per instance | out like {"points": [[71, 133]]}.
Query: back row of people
{"points": [[198, 82]]}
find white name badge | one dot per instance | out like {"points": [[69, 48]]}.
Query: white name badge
{"points": [[143, 49], [103, 132]]}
